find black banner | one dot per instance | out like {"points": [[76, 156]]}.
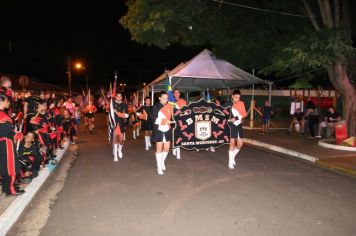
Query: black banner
{"points": [[201, 125]]}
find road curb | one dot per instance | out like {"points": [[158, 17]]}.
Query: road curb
{"points": [[325, 144], [326, 165], [315, 160], [281, 150], [15, 209]]}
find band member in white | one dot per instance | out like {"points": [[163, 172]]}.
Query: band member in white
{"points": [[162, 131], [121, 116], [144, 114], [180, 102], [238, 112]]}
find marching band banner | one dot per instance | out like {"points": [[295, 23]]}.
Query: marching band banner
{"points": [[201, 125]]}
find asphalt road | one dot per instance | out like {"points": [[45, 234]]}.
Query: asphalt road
{"points": [[266, 194]]}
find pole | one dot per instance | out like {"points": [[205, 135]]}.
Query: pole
{"points": [[253, 86], [69, 76], [270, 94], [87, 82], [152, 95], [252, 104]]}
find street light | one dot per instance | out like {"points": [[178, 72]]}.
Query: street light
{"points": [[79, 66]]}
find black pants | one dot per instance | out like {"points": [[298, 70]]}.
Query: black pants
{"points": [[313, 121], [8, 184]]}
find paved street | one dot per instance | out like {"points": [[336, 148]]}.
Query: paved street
{"points": [[266, 195]]}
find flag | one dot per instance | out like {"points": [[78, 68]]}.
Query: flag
{"points": [[171, 99], [208, 99], [84, 99], [89, 102], [109, 92], [113, 92], [112, 123]]}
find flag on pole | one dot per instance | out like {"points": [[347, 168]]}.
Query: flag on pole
{"points": [[208, 99], [109, 92], [112, 123], [171, 99], [89, 100]]}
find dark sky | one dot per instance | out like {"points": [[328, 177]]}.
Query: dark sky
{"points": [[44, 33]]}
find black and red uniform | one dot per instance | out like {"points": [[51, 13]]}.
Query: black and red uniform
{"points": [[121, 121], [30, 158], [70, 128], [145, 117], [9, 163]]}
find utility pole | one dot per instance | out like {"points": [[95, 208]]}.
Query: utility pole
{"points": [[69, 76]]}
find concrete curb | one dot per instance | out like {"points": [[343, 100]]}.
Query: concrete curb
{"points": [[325, 144], [260, 128], [315, 160], [336, 168], [13, 212], [281, 150]]}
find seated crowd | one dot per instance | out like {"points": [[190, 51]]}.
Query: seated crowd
{"points": [[319, 126], [39, 123]]}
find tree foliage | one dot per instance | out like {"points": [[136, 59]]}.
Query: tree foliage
{"points": [[242, 36]]}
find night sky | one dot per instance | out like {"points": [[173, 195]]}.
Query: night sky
{"points": [[43, 34]]}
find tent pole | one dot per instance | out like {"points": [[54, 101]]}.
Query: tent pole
{"points": [[252, 104], [152, 95], [270, 93]]}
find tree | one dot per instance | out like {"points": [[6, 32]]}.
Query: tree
{"points": [[317, 35]]}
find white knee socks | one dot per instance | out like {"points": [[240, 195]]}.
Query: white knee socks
{"points": [[164, 156], [178, 153], [231, 160], [120, 150], [134, 134], [159, 163], [147, 142], [236, 151], [115, 152]]}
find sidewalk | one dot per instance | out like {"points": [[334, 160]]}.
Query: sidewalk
{"points": [[301, 146], [12, 207]]}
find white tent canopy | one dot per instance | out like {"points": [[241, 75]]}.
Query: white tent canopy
{"points": [[205, 71]]}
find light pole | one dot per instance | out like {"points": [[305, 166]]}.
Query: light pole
{"points": [[69, 74]]}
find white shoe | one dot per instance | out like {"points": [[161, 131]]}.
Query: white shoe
{"points": [[159, 163], [231, 157], [163, 158], [174, 151], [120, 150], [115, 158]]}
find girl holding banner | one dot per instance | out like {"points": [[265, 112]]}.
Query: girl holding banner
{"points": [[162, 131], [238, 112]]}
